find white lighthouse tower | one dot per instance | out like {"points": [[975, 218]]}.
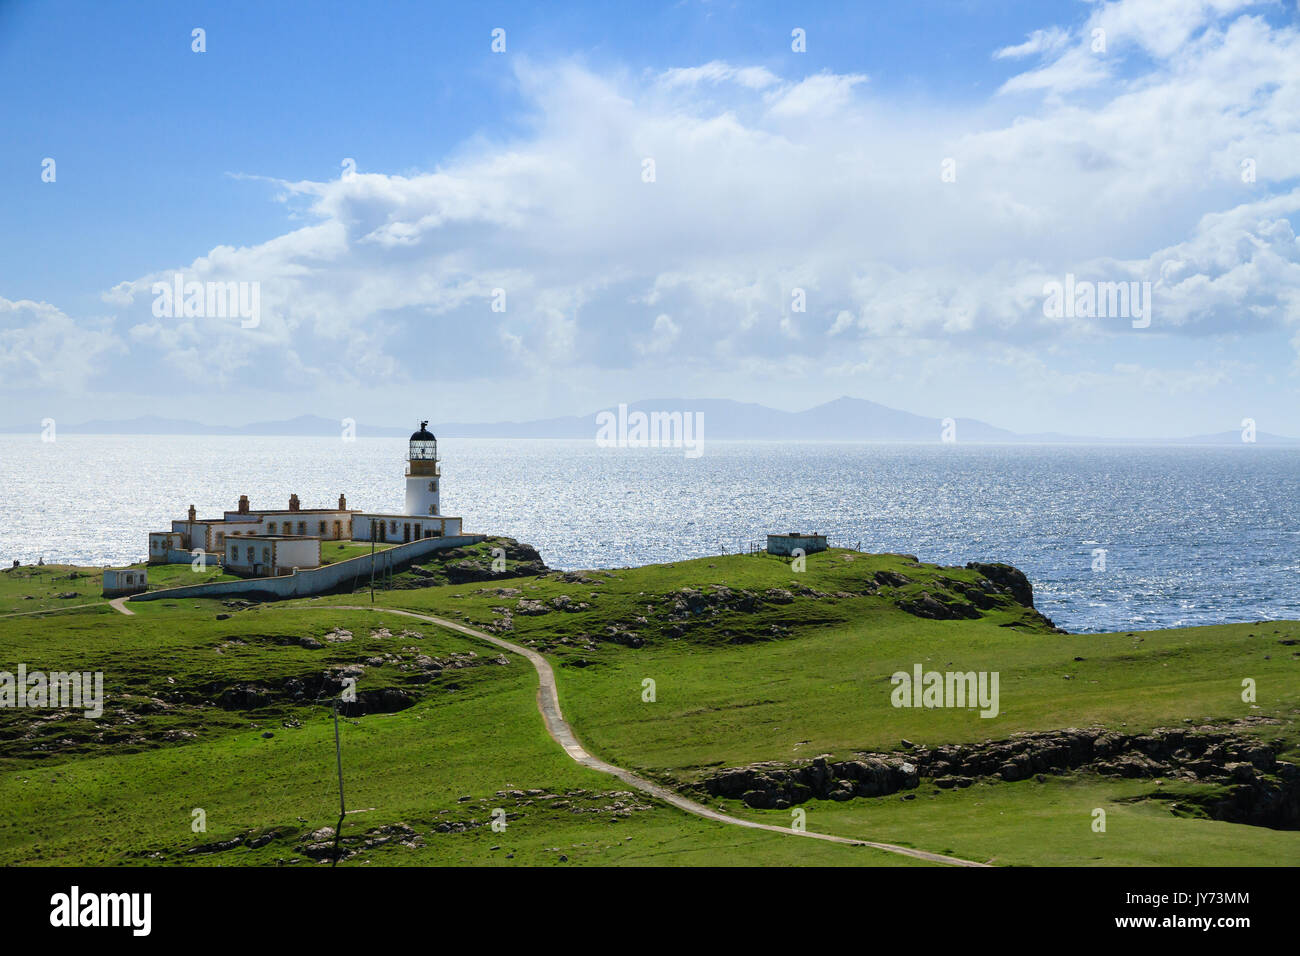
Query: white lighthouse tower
{"points": [[422, 475]]}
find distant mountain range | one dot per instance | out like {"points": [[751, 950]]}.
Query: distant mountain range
{"points": [[845, 419]]}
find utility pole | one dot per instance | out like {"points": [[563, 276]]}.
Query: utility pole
{"points": [[338, 757]]}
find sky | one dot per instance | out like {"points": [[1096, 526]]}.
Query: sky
{"points": [[776, 203]]}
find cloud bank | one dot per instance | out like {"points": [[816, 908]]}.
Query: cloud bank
{"points": [[722, 220]]}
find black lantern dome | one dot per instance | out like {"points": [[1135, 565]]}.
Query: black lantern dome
{"points": [[424, 446]]}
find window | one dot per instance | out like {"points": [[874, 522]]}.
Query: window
{"points": [[392, 526], [270, 528], [432, 510], [302, 527], [322, 527], [250, 554], [433, 486], [266, 555]]}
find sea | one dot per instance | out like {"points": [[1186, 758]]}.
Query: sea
{"points": [[1112, 537]]}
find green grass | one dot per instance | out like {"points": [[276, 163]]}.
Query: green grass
{"points": [[1050, 824], [778, 679], [825, 688], [737, 705], [57, 587], [475, 731], [182, 575], [332, 552]]}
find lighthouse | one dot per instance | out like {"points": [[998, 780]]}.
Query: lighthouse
{"points": [[422, 475], [261, 541]]}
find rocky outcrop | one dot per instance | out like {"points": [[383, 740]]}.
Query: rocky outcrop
{"points": [[688, 603], [385, 700], [767, 786], [418, 669], [244, 697], [522, 560], [1254, 787], [1008, 580], [942, 608], [465, 565]]}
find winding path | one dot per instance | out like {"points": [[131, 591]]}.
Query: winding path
{"points": [[548, 702], [120, 604]]}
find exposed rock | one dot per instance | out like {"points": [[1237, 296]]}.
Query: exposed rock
{"points": [[618, 634], [928, 606], [763, 786], [565, 603], [244, 697], [385, 700], [463, 565], [891, 579], [1009, 579], [1256, 787]]}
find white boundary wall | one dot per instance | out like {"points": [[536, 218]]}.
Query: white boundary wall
{"points": [[317, 580]]}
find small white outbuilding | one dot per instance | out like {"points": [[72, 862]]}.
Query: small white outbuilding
{"points": [[122, 581], [791, 541]]}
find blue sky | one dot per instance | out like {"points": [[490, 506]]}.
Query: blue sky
{"points": [[775, 171]]}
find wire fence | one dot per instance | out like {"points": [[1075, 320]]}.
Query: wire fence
{"points": [[741, 546]]}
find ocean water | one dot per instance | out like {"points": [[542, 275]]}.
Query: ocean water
{"points": [[1192, 535]]}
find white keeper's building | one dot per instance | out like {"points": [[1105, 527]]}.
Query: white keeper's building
{"points": [[259, 542]]}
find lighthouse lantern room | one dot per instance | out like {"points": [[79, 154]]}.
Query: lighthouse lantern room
{"points": [[422, 474]]}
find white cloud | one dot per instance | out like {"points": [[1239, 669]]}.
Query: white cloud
{"points": [[1039, 42], [753, 77], [43, 348], [662, 335], [823, 94], [764, 184]]}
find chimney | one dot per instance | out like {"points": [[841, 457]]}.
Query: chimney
{"points": [[343, 503], [194, 516], [293, 502], [243, 504]]}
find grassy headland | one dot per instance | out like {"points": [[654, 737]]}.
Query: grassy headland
{"points": [[751, 662]]}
